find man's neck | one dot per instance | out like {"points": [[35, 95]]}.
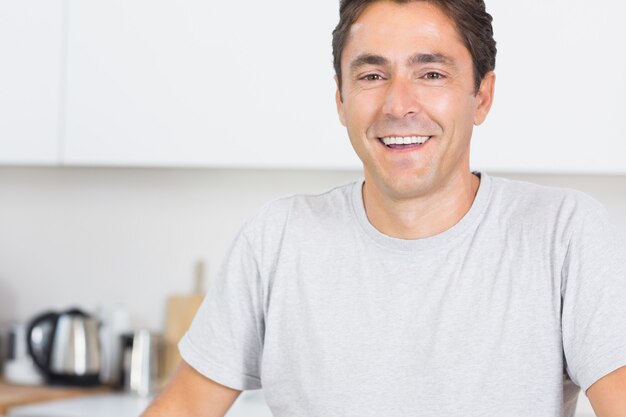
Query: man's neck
{"points": [[423, 216]]}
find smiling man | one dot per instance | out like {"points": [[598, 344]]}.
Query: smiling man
{"points": [[425, 289], [409, 99]]}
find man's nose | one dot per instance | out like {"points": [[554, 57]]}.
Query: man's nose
{"points": [[401, 99]]}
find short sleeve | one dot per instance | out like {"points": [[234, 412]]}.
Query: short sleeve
{"points": [[593, 315], [225, 339]]}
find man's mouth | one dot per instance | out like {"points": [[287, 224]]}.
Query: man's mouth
{"points": [[404, 142]]}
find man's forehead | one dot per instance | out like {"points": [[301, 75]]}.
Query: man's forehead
{"points": [[410, 13], [422, 28]]}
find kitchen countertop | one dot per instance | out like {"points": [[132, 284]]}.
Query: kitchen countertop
{"points": [[16, 395], [249, 404]]}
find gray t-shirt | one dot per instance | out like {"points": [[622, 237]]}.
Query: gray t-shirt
{"points": [[507, 313]]}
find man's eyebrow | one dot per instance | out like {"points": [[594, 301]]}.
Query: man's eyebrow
{"points": [[416, 59], [367, 59], [431, 58]]}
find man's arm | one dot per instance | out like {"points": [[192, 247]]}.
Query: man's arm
{"points": [[191, 394], [608, 395]]}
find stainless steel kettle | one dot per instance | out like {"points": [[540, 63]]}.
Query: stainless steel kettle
{"points": [[65, 346]]}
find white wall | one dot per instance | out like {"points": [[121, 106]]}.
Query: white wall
{"points": [[129, 236], [87, 237]]}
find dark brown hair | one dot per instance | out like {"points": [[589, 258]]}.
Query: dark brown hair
{"points": [[470, 17]]}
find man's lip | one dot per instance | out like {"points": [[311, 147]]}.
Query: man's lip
{"points": [[380, 138], [403, 135], [404, 148]]}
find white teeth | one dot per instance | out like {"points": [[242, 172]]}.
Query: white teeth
{"points": [[407, 140]]}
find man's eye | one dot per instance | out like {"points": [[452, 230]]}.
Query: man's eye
{"points": [[372, 77], [433, 76]]}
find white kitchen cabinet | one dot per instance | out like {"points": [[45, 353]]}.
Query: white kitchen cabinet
{"points": [[560, 101], [202, 83], [31, 60], [249, 84]]}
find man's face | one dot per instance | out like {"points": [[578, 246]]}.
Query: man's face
{"points": [[407, 74]]}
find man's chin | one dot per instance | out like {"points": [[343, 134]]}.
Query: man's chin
{"points": [[404, 187]]}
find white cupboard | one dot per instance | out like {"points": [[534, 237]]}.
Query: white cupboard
{"points": [[31, 62], [202, 83], [561, 88], [250, 84]]}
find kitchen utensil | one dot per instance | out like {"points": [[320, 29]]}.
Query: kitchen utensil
{"points": [[181, 310], [19, 367], [115, 321], [141, 352], [65, 347]]}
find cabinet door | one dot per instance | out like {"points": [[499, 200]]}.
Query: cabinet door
{"points": [[560, 102], [249, 84], [203, 83], [31, 38]]}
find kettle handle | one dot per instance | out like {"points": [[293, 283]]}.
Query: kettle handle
{"points": [[76, 312], [44, 365]]}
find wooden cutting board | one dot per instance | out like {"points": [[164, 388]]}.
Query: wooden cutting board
{"points": [[180, 313], [181, 309], [15, 395]]}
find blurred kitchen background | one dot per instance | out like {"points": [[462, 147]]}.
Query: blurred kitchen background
{"points": [[100, 236], [137, 136]]}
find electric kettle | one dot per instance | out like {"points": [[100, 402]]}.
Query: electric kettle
{"points": [[65, 347]]}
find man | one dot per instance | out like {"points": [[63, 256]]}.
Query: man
{"points": [[426, 289]]}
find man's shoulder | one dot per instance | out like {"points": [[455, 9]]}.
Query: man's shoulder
{"points": [[529, 199], [303, 209]]}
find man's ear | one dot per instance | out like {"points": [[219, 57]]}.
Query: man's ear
{"points": [[484, 97], [339, 101]]}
